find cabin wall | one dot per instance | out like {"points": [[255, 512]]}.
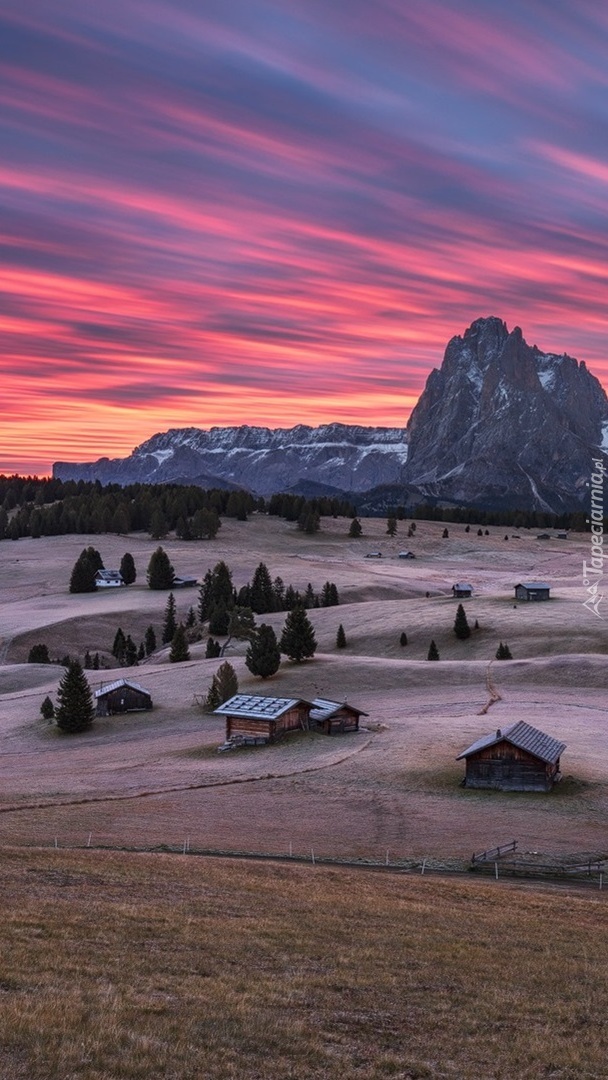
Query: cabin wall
{"points": [[508, 768], [249, 728], [123, 700]]}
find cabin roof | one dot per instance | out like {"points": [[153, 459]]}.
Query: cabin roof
{"points": [[532, 585], [107, 688], [463, 585], [108, 575], [258, 706], [323, 709], [525, 737]]}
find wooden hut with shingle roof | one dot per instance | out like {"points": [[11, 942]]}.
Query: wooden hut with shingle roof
{"points": [[518, 758]]}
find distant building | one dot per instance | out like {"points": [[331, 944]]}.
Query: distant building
{"points": [[184, 582], [334, 717], [406, 555], [461, 590], [108, 579], [520, 758], [374, 555], [532, 590], [121, 696]]}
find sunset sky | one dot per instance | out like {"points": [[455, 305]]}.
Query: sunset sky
{"points": [[216, 212]]}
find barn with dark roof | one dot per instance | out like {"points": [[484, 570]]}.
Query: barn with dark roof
{"points": [[518, 758]]}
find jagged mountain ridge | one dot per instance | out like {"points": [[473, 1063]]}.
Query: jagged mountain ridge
{"points": [[500, 425], [337, 457], [504, 424]]}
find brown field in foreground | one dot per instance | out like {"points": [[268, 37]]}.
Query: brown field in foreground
{"points": [[125, 967]]}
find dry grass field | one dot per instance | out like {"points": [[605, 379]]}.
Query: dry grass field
{"points": [[121, 965], [133, 967]]}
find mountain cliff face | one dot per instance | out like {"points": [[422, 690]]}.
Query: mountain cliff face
{"points": [[335, 457], [504, 424], [500, 425]]}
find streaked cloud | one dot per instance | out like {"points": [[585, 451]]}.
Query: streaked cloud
{"points": [[271, 213]]}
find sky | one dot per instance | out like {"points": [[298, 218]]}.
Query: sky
{"points": [[216, 212]]}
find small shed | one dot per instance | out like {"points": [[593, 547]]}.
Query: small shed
{"points": [[184, 581], [461, 590], [532, 590], [335, 717], [406, 555], [257, 718], [121, 696], [108, 579], [520, 758]]}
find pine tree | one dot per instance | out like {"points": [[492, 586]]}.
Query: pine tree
{"points": [[355, 530], [96, 662], [391, 525], [141, 652], [226, 682], [445, 534], [158, 526], [213, 700], [119, 646], [39, 654], [75, 709], [403, 639], [241, 626], [298, 640], [191, 618], [150, 640], [160, 574], [461, 625], [170, 620], [433, 653], [127, 569], [130, 652], [263, 656], [212, 649], [47, 709], [503, 652], [219, 619], [82, 578], [340, 638], [179, 646], [262, 595], [87, 663]]}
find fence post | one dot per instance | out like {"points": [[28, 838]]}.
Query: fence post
{"points": [[312, 856], [423, 866], [496, 870]]}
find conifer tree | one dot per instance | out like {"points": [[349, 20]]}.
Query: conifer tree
{"points": [[340, 638], [130, 657], [170, 620], [119, 646], [75, 710], [39, 654], [212, 649], [403, 639], [391, 525], [262, 595], [47, 709], [355, 530], [461, 625], [160, 573], [503, 652], [298, 640], [86, 566], [263, 656], [191, 618], [179, 646], [150, 640], [224, 685], [433, 653], [141, 652], [127, 569]]}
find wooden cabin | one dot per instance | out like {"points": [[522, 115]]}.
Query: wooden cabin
{"points": [[520, 758], [532, 590], [258, 719], [108, 579], [462, 590], [121, 696], [335, 717], [184, 581]]}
